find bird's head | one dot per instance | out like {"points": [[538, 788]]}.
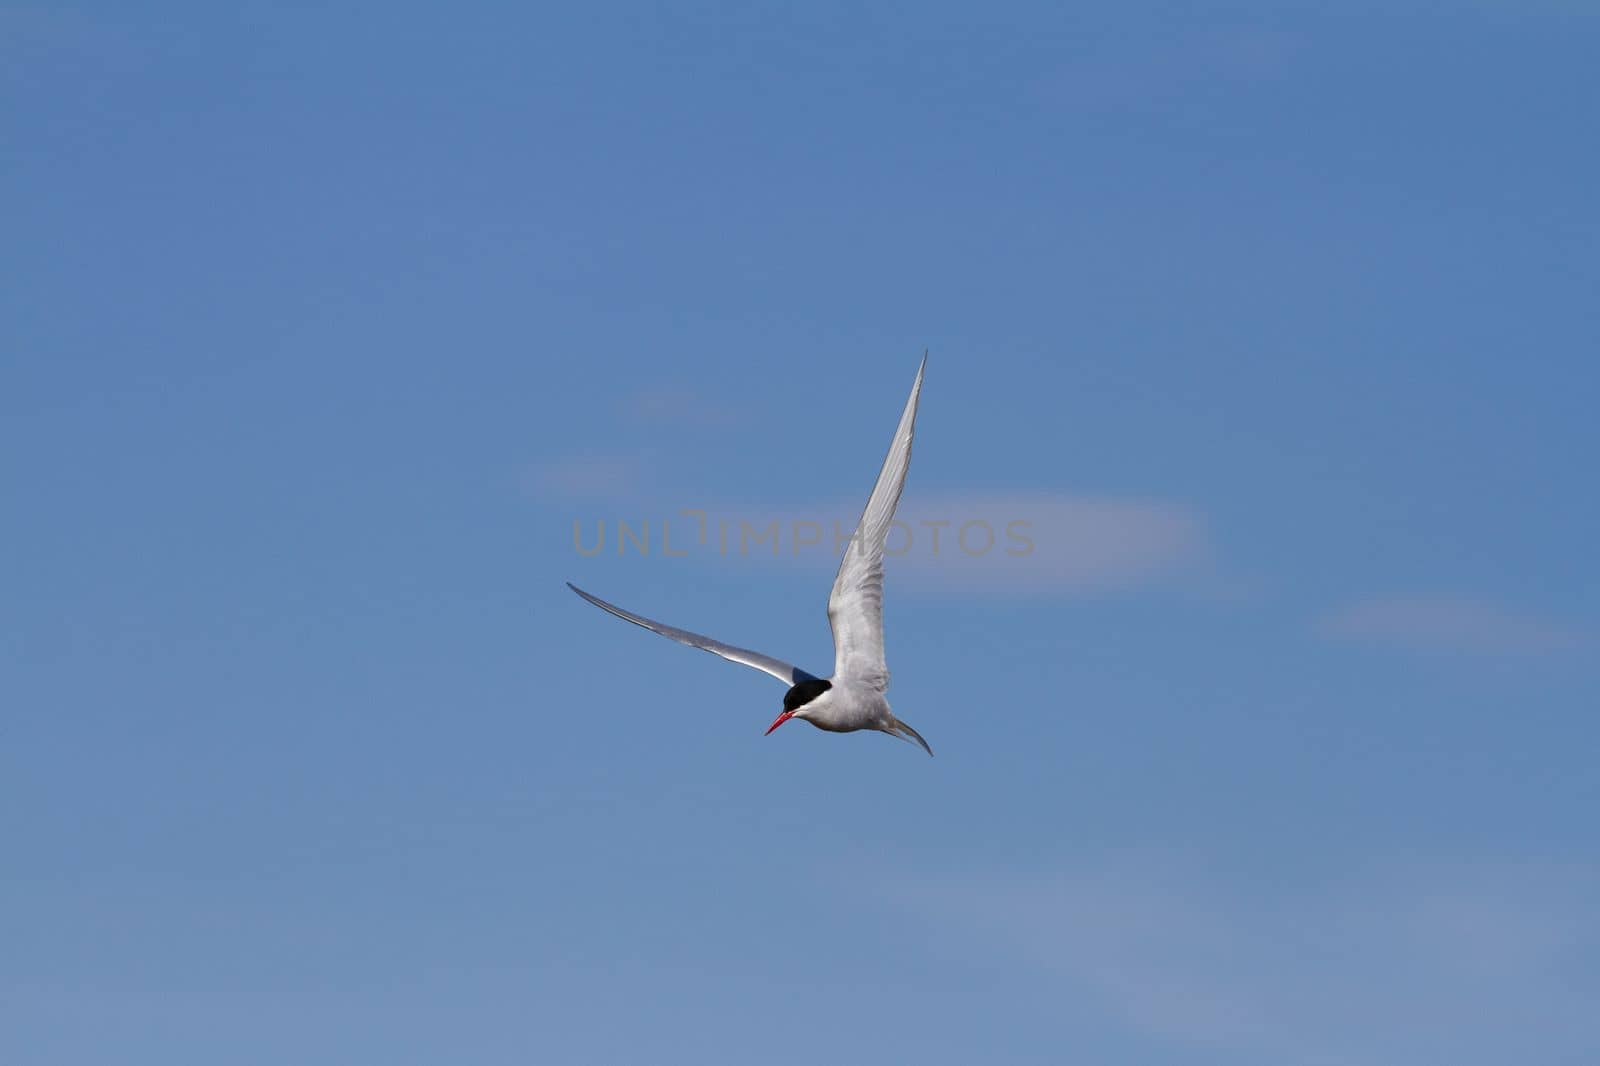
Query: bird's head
{"points": [[801, 699]]}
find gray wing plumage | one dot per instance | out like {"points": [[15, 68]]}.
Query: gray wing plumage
{"points": [[789, 675], [855, 607]]}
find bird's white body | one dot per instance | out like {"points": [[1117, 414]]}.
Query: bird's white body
{"points": [[846, 707], [853, 697]]}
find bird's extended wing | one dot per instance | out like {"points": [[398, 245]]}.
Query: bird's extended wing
{"points": [[855, 607], [789, 675]]}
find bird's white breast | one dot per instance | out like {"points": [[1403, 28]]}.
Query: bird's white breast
{"points": [[846, 707]]}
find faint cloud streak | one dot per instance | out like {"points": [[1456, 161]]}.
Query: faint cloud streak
{"points": [[591, 477], [1451, 625], [1026, 545], [1079, 543], [671, 405], [1424, 963]]}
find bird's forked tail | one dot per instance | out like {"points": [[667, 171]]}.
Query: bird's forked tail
{"points": [[897, 728]]}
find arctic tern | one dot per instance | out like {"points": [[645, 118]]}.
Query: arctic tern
{"points": [[853, 698]]}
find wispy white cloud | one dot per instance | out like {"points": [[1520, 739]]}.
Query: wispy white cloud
{"points": [[1037, 544], [589, 477], [26, 27], [1142, 70], [678, 406], [1452, 625], [1445, 963], [1047, 542]]}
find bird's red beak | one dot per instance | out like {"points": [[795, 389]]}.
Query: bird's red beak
{"points": [[782, 718]]}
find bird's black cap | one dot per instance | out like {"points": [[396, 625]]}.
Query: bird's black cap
{"points": [[804, 693]]}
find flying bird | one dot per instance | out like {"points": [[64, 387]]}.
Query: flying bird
{"points": [[853, 698]]}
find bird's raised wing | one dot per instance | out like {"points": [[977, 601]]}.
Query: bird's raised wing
{"points": [[789, 675], [855, 607]]}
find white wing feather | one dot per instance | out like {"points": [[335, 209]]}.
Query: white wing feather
{"points": [[789, 675], [855, 607]]}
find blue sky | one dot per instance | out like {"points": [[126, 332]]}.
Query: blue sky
{"points": [[321, 326]]}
